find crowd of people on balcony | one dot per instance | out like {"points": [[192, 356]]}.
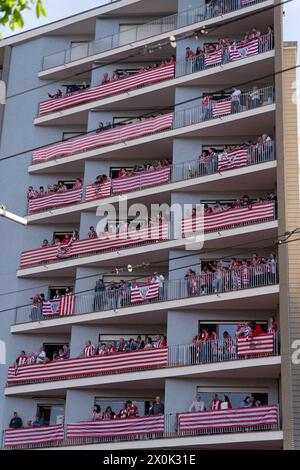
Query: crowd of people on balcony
{"points": [[70, 89], [137, 344], [136, 170], [223, 403], [243, 201], [89, 350], [107, 78], [258, 152], [59, 187], [216, 276], [197, 58], [119, 74], [245, 329], [129, 410], [40, 357]]}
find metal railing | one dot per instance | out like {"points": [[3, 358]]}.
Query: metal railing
{"points": [[198, 64], [206, 111], [260, 153], [198, 286], [171, 430], [145, 31], [202, 352]]}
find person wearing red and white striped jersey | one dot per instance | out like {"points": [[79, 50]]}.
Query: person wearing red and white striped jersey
{"points": [[78, 184], [21, 359], [215, 402], [31, 359], [132, 410], [89, 350]]}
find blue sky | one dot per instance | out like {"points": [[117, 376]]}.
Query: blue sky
{"points": [[57, 9]]}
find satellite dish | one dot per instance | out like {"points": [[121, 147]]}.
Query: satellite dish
{"points": [[129, 268]]}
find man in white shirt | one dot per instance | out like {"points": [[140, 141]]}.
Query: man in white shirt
{"points": [[236, 100], [41, 357], [197, 405], [159, 279]]}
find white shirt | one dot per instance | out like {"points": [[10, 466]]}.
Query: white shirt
{"points": [[224, 405], [41, 356], [197, 406], [236, 95]]}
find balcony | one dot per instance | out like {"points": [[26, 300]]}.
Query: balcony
{"points": [[192, 170], [208, 352], [205, 423], [148, 33], [151, 298], [157, 128], [131, 237], [100, 96], [142, 79]]}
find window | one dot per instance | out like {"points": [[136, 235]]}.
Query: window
{"points": [[117, 404], [62, 291], [128, 33], [79, 49], [52, 414], [114, 172], [123, 121], [114, 338], [61, 235], [229, 326], [236, 395], [51, 348], [71, 135], [68, 183]]}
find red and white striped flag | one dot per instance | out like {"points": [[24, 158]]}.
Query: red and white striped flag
{"points": [[142, 180], [98, 191], [67, 305], [144, 292], [222, 108], [213, 58], [55, 200], [148, 77], [116, 427], [63, 307], [256, 345], [234, 159], [51, 308], [241, 51], [89, 366], [230, 418], [109, 137], [33, 436]]}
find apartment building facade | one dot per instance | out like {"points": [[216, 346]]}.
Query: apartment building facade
{"points": [[139, 109]]}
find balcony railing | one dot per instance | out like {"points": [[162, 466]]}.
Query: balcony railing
{"points": [[156, 75], [147, 30], [210, 109], [139, 80], [234, 159], [234, 420], [132, 361], [131, 237], [205, 111], [108, 299], [225, 55]]}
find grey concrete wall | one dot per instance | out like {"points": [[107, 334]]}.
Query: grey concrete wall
{"points": [[179, 393]]}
